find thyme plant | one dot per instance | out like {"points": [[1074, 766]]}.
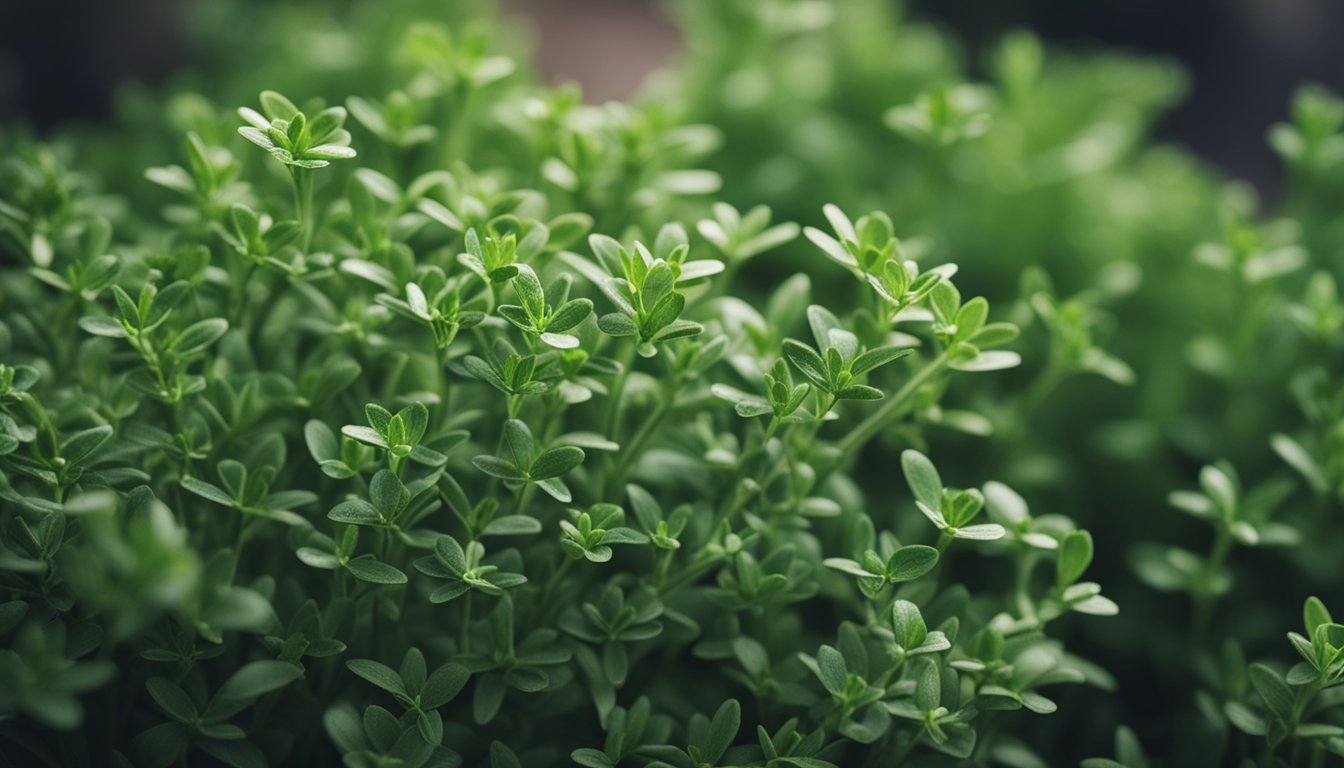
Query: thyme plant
{"points": [[791, 414]]}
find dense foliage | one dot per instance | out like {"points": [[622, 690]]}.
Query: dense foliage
{"points": [[427, 416]]}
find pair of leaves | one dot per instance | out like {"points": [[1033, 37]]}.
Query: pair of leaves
{"points": [[520, 460], [927, 487], [463, 570], [905, 564]]}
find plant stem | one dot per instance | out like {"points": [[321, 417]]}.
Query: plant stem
{"points": [[613, 415], [692, 571], [1203, 594], [554, 581], [1045, 383], [524, 496], [463, 634], [617, 392], [876, 421], [303, 203], [631, 450]]}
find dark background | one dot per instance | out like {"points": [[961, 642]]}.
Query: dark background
{"points": [[62, 59]]}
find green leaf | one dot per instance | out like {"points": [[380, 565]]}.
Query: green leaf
{"points": [[802, 762], [101, 325], [497, 467], [487, 699], [256, 679], [240, 609], [1299, 459], [876, 358], [908, 624], [678, 329], [664, 312], [831, 670], [624, 536], [512, 525], [809, 363], [1245, 719], [993, 360], [198, 336], [1273, 691], [591, 758], [517, 444], [1005, 503], [317, 558], [388, 494], [354, 512], [722, 730], [911, 562], [982, 532], [172, 699], [971, 317], [277, 106], [1220, 488], [1037, 703], [849, 566], [450, 553], [928, 687], [364, 435], [1314, 614], [529, 291], [442, 685], [502, 757], [415, 417], [130, 311], [321, 441], [923, 479], [207, 491], [859, 392], [379, 674], [570, 314], [617, 324], [367, 568], [81, 445], [1075, 554], [556, 462], [830, 247]]}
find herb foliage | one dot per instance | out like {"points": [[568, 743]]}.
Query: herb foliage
{"points": [[426, 416]]}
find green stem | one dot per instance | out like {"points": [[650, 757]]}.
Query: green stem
{"points": [[458, 139], [944, 541], [554, 581], [696, 569], [1036, 394], [661, 561], [240, 294], [876, 421], [554, 408], [1203, 593], [612, 421], [734, 500], [303, 202], [631, 450], [617, 393], [1025, 561], [524, 496], [463, 633]]}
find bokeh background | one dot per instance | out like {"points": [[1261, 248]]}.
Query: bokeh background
{"points": [[64, 59]]}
